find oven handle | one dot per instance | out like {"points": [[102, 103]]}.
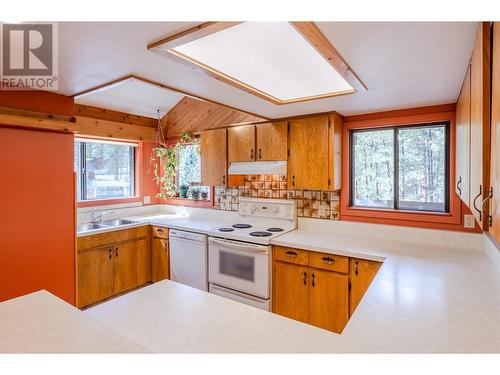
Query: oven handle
{"points": [[251, 248]]}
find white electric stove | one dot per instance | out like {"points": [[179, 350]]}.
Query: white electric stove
{"points": [[240, 252]]}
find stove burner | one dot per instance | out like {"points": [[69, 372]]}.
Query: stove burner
{"points": [[275, 229], [242, 226], [226, 229], [260, 234]]}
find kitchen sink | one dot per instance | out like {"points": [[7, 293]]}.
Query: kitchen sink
{"points": [[87, 227], [114, 223]]}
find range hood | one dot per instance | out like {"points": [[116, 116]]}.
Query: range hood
{"points": [[258, 167]]}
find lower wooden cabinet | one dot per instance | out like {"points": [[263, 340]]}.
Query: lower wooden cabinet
{"points": [[121, 261], [318, 288], [95, 275], [361, 275], [291, 291], [160, 255]]}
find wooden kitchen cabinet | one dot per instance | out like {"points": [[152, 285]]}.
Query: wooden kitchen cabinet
{"points": [[95, 275], [213, 148], [315, 153], [241, 143], [318, 288], [361, 275], [462, 158], [160, 255], [329, 300], [111, 263], [494, 228], [131, 266], [272, 141], [291, 291], [480, 124]]}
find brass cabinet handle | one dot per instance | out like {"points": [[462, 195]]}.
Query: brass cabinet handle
{"points": [[356, 267], [116, 251], [474, 201], [293, 180], [260, 153], [459, 183], [224, 180], [305, 278], [251, 154], [313, 284], [328, 260], [159, 231], [291, 254], [110, 253]]}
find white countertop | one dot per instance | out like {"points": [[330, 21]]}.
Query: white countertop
{"points": [[437, 291], [42, 323]]}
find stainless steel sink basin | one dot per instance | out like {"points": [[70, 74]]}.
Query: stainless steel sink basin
{"points": [[87, 227], [114, 223]]}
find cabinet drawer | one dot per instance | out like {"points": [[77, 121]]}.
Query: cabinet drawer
{"points": [[127, 234], [329, 262], [290, 255], [159, 232]]}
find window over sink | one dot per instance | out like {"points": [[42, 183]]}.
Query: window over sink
{"points": [[104, 169]]}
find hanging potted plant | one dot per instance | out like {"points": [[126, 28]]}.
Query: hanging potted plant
{"points": [[165, 162]]}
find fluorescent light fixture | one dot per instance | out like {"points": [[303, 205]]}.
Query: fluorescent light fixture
{"points": [[271, 59]]}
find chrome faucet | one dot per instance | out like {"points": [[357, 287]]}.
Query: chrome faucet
{"points": [[96, 218]]}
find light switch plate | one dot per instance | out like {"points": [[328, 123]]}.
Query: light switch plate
{"points": [[147, 199], [469, 221]]}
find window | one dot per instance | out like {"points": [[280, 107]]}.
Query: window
{"points": [[402, 168], [189, 173], [105, 170]]}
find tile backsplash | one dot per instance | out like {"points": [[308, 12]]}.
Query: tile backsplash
{"points": [[310, 203]]}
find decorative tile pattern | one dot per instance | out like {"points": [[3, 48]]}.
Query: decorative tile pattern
{"points": [[310, 203]]}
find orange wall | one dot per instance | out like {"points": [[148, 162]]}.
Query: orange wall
{"points": [[422, 115], [37, 220]]}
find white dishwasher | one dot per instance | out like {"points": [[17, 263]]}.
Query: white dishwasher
{"points": [[189, 258]]}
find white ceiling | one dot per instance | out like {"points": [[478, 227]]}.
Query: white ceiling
{"points": [[403, 64], [135, 97]]}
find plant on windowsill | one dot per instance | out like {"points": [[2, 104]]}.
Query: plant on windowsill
{"points": [[184, 190], [195, 193]]}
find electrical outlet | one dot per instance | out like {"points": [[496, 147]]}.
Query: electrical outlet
{"points": [[469, 221], [147, 199]]}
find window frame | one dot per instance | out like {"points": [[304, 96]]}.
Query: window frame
{"points": [[395, 129], [83, 168]]}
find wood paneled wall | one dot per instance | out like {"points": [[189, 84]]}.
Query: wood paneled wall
{"points": [[197, 115]]}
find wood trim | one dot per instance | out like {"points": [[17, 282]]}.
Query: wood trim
{"points": [[402, 112], [36, 114], [129, 77], [112, 115], [37, 123], [113, 129], [191, 34], [311, 32]]}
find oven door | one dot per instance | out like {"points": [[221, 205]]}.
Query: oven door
{"points": [[240, 266]]}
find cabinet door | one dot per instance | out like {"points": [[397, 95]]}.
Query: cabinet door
{"points": [[160, 259], [241, 143], [291, 291], [361, 273], [480, 124], [329, 300], [495, 136], [95, 276], [131, 266], [213, 148], [272, 141], [462, 158], [308, 164]]}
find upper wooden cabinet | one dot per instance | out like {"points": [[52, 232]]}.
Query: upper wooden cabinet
{"points": [[480, 123], [495, 136], [213, 150], [241, 143], [314, 157], [272, 141], [262, 142], [462, 159]]}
